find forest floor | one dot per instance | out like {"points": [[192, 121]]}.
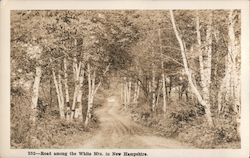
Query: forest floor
{"points": [[117, 130]]}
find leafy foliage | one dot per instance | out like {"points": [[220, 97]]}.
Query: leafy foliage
{"points": [[134, 44]]}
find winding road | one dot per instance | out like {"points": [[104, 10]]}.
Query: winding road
{"points": [[117, 130]]}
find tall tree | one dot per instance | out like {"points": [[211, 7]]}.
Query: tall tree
{"points": [[188, 73]]}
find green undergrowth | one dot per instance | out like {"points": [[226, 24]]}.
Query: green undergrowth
{"points": [[186, 122]]}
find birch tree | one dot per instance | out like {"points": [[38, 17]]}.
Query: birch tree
{"points": [[205, 58], [164, 107], [188, 73], [92, 90], [77, 68], [35, 53], [65, 66], [230, 85], [59, 92], [229, 90]]}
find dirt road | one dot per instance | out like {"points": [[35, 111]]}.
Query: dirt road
{"points": [[118, 131]]}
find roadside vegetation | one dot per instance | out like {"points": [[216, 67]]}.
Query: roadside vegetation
{"points": [[177, 72]]}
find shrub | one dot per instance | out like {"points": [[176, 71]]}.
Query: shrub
{"points": [[20, 118], [48, 131], [186, 122]]}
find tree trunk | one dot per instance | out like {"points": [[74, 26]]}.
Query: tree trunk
{"points": [[199, 49], [158, 93], [76, 70], [164, 107], [205, 58], [65, 64], [90, 96], [79, 97], [62, 115], [125, 92], [230, 85], [122, 93], [50, 90], [153, 89], [89, 110], [135, 93], [189, 75], [233, 53], [35, 92], [92, 91], [222, 92], [58, 93], [170, 86], [129, 92], [149, 87]]}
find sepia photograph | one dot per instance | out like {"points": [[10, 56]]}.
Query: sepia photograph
{"points": [[139, 79], [125, 79]]}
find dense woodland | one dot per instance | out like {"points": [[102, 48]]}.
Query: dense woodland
{"points": [[175, 71]]}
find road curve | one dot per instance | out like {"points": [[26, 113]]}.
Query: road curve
{"points": [[118, 131]]}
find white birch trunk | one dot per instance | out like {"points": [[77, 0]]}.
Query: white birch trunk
{"points": [[61, 96], [125, 92], [129, 91], [221, 92], [199, 49], [121, 93], [65, 64], [149, 87], [90, 99], [35, 53], [206, 64], [138, 91], [77, 71], [233, 53], [79, 97], [135, 93], [92, 91], [230, 85], [58, 93], [56, 86], [89, 110], [189, 75], [164, 107], [158, 94], [35, 92], [153, 89]]}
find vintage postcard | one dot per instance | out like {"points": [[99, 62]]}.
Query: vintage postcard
{"points": [[124, 79]]}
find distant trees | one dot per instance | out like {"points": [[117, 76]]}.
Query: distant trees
{"points": [[152, 52], [71, 46], [195, 44]]}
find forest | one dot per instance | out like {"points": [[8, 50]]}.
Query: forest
{"points": [[125, 79]]}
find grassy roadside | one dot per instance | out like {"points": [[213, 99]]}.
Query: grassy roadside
{"points": [[186, 123]]}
